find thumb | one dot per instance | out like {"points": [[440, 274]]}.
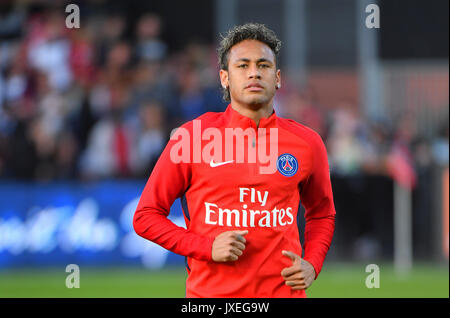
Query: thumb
{"points": [[240, 235], [294, 257]]}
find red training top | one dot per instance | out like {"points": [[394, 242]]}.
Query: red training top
{"points": [[236, 193]]}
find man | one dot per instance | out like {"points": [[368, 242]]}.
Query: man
{"points": [[242, 238]]}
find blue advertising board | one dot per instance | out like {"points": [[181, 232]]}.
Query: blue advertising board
{"points": [[46, 224]]}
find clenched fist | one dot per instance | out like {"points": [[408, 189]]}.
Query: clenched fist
{"points": [[228, 246]]}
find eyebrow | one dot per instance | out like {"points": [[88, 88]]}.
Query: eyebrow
{"points": [[261, 60]]}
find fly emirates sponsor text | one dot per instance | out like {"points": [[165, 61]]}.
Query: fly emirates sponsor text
{"points": [[215, 215]]}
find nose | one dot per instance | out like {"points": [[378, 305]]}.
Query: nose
{"points": [[253, 72]]}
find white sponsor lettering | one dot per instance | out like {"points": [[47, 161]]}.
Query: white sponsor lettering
{"points": [[234, 217], [209, 211], [228, 213], [215, 215], [253, 194]]}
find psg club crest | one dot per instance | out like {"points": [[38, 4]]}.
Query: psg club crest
{"points": [[287, 165]]}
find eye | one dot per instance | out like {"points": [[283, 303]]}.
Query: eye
{"points": [[263, 65], [242, 65]]}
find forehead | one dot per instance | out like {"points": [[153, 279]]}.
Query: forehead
{"points": [[251, 49]]}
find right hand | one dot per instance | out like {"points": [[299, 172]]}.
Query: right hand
{"points": [[228, 246]]}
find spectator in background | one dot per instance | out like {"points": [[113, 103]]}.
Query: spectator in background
{"points": [[301, 105], [118, 63], [191, 98], [44, 145], [49, 50], [66, 156], [400, 161], [150, 82], [20, 156], [197, 87], [151, 137], [12, 17], [17, 76], [110, 151], [149, 46], [116, 72], [82, 55], [15, 113], [204, 57], [52, 106], [18, 109], [346, 150], [112, 28], [310, 112], [375, 145]]}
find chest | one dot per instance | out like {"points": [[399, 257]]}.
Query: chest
{"points": [[265, 159]]}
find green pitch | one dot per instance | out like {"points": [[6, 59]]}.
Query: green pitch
{"points": [[335, 281]]}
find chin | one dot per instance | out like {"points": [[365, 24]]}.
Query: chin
{"points": [[257, 101]]}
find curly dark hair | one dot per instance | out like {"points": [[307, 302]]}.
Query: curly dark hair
{"points": [[248, 31]]}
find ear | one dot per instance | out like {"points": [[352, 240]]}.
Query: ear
{"points": [[224, 78], [278, 79]]}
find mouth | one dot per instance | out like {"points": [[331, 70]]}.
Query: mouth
{"points": [[254, 87]]}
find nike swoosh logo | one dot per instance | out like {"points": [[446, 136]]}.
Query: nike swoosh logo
{"points": [[214, 164]]}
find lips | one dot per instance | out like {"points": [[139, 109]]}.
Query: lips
{"points": [[254, 87]]}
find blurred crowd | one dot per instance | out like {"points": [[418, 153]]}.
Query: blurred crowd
{"points": [[358, 145], [93, 103]]}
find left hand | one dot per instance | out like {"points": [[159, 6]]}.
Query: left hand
{"points": [[300, 275]]}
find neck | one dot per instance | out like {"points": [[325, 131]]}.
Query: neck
{"points": [[254, 113]]}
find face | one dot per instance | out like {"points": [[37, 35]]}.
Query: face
{"points": [[252, 76]]}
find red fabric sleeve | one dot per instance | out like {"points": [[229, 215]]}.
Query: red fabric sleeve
{"points": [[167, 182], [317, 199]]}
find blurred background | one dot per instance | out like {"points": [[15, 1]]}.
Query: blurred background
{"points": [[85, 113]]}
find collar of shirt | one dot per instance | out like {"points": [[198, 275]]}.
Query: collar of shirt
{"points": [[234, 119]]}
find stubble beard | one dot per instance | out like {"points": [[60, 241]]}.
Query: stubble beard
{"points": [[255, 102]]}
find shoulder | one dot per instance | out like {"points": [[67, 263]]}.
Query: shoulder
{"points": [[309, 135]]}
